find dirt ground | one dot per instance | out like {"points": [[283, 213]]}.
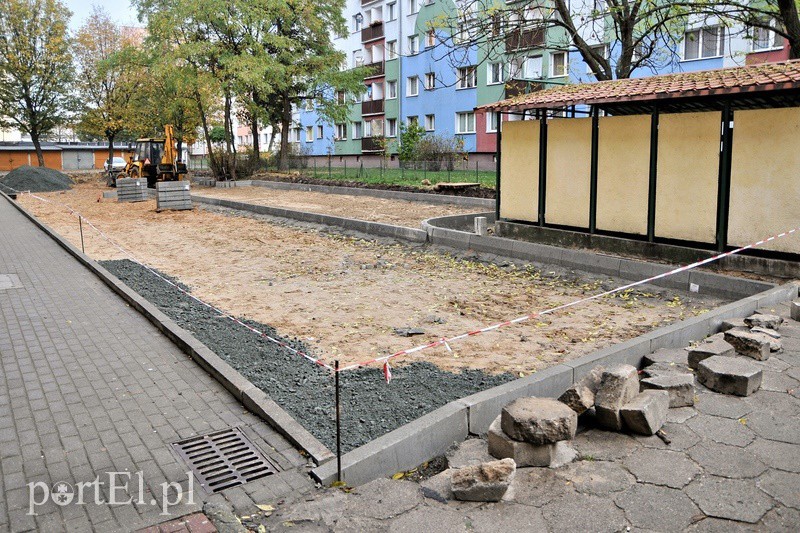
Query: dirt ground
{"points": [[397, 212], [344, 296]]}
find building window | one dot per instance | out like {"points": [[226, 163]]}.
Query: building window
{"points": [[297, 135], [413, 45], [320, 132], [368, 128], [465, 122], [341, 97], [358, 59], [341, 132], [391, 127], [358, 22], [391, 50], [391, 11], [533, 68], [356, 130], [413, 6], [492, 121], [309, 134], [391, 89], [764, 39], [558, 64], [430, 80], [496, 73], [705, 42], [430, 122], [412, 88], [467, 77], [430, 39], [602, 51], [412, 120]]}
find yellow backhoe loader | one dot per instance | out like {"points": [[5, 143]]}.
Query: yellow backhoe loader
{"points": [[155, 160]]}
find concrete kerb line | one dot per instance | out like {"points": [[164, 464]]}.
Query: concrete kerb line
{"points": [[252, 398]]}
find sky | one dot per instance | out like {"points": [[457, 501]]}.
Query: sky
{"points": [[120, 11]]}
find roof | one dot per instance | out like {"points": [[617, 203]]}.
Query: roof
{"points": [[759, 82], [23, 146]]}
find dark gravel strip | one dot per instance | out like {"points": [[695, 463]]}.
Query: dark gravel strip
{"points": [[370, 407]]}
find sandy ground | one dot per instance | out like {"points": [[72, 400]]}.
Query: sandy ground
{"points": [[345, 296], [398, 212]]}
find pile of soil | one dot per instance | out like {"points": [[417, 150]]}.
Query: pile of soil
{"points": [[370, 407], [472, 192], [36, 179]]}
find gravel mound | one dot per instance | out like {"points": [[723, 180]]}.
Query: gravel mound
{"points": [[36, 179], [370, 407]]}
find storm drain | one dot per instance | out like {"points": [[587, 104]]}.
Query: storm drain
{"points": [[224, 459]]}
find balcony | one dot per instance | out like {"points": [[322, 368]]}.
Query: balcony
{"points": [[518, 87], [372, 32], [372, 107], [376, 69], [525, 38], [366, 2], [371, 144]]}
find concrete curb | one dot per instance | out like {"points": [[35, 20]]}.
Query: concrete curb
{"points": [[371, 228], [442, 231], [253, 398], [445, 199], [431, 435]]}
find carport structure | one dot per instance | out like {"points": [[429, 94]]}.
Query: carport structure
{"points": [[708, 160]]}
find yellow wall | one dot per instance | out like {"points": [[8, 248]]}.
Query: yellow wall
{"points": [[519, 171], [765, 178], [623, 173], [569, 143], [688, 173]]}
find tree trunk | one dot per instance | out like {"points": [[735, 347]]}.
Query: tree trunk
{"points": [[38, 146], [272, 137], [256, 155], [110, 138], [791, 21], [206, 134], [286, 124]]}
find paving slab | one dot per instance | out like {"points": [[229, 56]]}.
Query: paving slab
{"points": [[662, 467], [650, 507], [733, 499]]}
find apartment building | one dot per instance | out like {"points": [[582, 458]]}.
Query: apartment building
{"points": [[412, 78]]}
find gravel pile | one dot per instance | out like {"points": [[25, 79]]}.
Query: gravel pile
{"points": [[370, 407], [36, 179]]}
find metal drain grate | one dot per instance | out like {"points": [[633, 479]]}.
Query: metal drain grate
{"points": [[224, 459]]}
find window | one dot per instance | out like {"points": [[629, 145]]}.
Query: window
{"points": [[465, 122], [309, 134], [413, 6], [358, 22], [412, 120], [341, 132], [430, 39], [764, 39], [368, 128], [341, 97], [358, 59], [533, 68], [320, 132], [391, 50], [297, 135], [413, 45], [467, 77], [391, 11], [391, 127], [391, 89], [430, 80], [430, 122], [356, 130], [558, 64], [705, 42], [496, 73], [412, 87], [492, 121], [266, 138], [600, 49], [357, 97]]}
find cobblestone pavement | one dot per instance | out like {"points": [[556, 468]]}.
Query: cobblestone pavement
{"points": [[88, 386], [733, 465]]}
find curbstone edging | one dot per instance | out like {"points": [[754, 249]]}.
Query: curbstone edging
{"points": [[444, 199], [225, 374]]}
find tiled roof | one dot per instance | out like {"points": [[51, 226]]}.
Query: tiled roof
{"points": [[727, 81]]}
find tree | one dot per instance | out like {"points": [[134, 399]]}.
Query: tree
{"points": [[35, 67]]}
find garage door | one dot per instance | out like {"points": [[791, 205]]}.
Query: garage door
{"points": [[78, 159], [12, 160]]}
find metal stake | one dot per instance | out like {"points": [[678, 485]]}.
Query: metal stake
{"points": [[338, 424], [80, 225]]}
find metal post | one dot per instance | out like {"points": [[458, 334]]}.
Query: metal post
{"points": [[345, 169], [477, 179], [542, 166], [651, 195], [315, 168], [329, 168], [724, 182], [80, 225], [593, 169], [497, 169], [338, 423]]}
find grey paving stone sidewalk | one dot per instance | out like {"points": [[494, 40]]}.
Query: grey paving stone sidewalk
{"points": [[733, 464], [88, 386]]}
